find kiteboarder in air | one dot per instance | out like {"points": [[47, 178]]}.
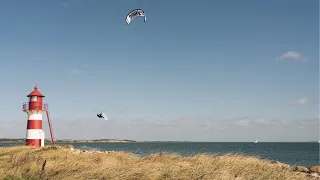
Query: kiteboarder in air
{"points": [[102, 115]]}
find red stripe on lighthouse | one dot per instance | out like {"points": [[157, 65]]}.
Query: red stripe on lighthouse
{"points": [[33, 142], [34, 124]]}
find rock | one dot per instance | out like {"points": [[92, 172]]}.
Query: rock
{"points": [[315, 169], [239, 178], [316, 175], [284, 166], [275, 162], [301, 169]]}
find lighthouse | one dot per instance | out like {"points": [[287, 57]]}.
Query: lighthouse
{"points": [[35, 108]]}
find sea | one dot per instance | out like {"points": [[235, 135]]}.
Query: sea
{"points": [[304, 154]]}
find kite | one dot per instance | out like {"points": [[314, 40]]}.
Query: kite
{"points": [[135, 13]]}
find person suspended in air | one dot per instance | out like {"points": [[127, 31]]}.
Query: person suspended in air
{"points": [[102, 115]]}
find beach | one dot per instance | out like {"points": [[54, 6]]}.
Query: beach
{"points": [[67, 162]]}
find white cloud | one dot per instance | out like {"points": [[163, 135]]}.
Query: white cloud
{"points": [[243, 122], [65, 4], [293, 55], [311, 120], [308, 122], [301, 101], [263, 121], [75, 71]]}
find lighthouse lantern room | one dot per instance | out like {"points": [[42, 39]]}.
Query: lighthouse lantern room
{"points": [[35, 108]]}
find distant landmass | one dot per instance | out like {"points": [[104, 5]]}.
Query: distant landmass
{"points": [[67, 140]]}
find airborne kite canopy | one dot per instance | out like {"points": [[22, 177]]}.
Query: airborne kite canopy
{"points": [[135, 13], [103, 115]]}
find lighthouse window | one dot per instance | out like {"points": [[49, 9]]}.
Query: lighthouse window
{"points": [[34, 98]]}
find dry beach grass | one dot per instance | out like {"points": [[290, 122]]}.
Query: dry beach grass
{"points": [[63, 162]]}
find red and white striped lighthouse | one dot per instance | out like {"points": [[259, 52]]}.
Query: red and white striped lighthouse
{"points": [[35, 108]]}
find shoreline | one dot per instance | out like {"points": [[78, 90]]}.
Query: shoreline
{"points": [[8, 140], [145, 148], [67, 162], [125, 140]]}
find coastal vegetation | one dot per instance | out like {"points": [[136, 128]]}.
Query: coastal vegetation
{"points": [[66, 162]]}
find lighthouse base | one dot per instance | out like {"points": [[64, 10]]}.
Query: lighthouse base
{"points": [[33, 142], [35, 138]]}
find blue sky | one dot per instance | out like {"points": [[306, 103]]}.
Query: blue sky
{"points": [[208, 70]]}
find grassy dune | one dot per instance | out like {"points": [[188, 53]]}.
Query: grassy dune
{"points": [[23, 162]]}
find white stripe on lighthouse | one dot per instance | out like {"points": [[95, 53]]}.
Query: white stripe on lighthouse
{"points": [[34, 133], [35, 117], [42, 138]]}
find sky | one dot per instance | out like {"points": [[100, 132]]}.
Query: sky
{"points": [[195, 71]]}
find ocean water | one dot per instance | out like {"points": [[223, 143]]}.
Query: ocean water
{"points": [[305, 154]]}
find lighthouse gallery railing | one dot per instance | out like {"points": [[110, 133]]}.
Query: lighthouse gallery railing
{"points": [[25, 106]]}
